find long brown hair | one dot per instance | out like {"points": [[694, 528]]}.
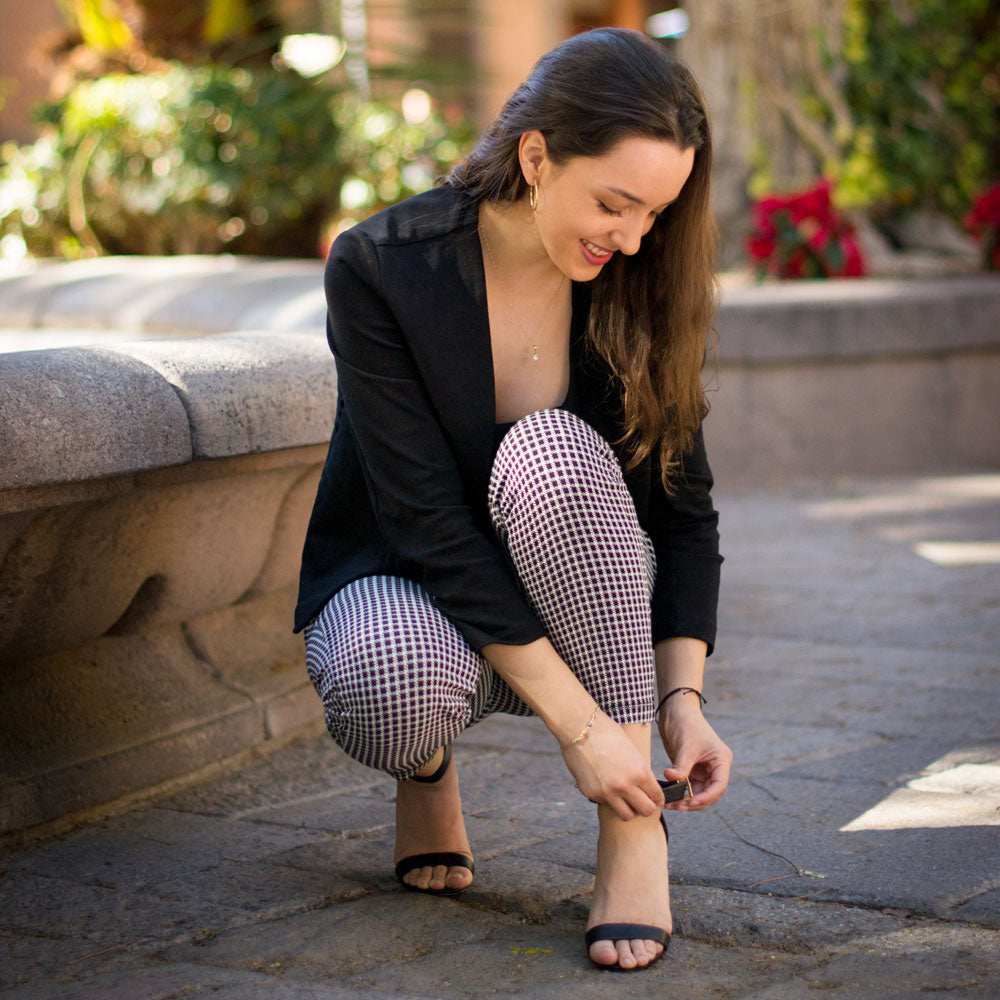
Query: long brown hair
{"points": [[651, 313]]}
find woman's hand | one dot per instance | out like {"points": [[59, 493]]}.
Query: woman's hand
{"points": [[608, 767], [697, 752], [610, 770]]}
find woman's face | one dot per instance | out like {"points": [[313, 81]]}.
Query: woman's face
{"points": [[592, 207]]}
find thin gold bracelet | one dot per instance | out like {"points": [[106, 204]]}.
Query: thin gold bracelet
{"points": [[583, 732]]}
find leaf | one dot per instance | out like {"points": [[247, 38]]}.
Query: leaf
{"points": [[101, 25]]}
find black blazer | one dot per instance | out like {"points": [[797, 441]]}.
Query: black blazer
{"points": [[403, 490]]}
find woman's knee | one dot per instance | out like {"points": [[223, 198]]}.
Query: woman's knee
{"points": [[391, 671], [556, 447], [554, 466]]}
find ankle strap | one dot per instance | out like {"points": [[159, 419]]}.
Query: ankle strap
{"points": [[439, 773]]}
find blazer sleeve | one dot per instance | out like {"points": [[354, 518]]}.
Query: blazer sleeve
{"points": [[411, 472], [683, 527]]}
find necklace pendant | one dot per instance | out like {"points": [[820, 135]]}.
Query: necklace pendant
{"points": [[534, 352]]}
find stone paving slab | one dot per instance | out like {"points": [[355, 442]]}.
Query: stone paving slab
{"points": [[155, 981], [848, 570]]}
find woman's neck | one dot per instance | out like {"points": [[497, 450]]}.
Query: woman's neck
{"points": [[514, 240]]}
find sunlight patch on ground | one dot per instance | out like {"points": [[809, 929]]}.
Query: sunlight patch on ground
{"points": [[959, 553], [922, 496], [963, 795]]}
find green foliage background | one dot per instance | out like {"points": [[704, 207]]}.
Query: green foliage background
{"points": [[204, 159], [923, 84]]}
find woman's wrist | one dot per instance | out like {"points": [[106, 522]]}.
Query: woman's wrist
{"points": [[571, 724], [678, 711], [677, 694], [583, 734], [680, 666]]}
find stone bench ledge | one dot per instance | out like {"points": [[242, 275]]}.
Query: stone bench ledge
{"points": [[807, 320], [212, 384], [192, 294], [82, 413], [857, 319]]}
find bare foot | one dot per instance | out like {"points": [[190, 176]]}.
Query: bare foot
{"points": [[428, 819], [631, 886]]}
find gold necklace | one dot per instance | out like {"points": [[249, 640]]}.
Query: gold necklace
{"points": [[509, 301]]}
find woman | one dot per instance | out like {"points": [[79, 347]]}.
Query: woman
{"points": [[514, 513]]}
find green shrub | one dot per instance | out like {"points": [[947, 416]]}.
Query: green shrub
{"points": [[898, 107], [391, 158], [208, 159], [924, 87]]}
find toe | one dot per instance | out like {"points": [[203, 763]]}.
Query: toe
{"points": [[419, 878], [603, 952], [626, 958], [459, 877], [438, 875], [646, 951]]}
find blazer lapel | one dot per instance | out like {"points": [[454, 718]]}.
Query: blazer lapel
{"points": [[443, 304]]}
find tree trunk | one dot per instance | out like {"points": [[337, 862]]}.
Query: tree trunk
{"points": [[772, 75]]}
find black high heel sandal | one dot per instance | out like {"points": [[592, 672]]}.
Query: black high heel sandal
{"points": [[630, 932], [450, 859]]}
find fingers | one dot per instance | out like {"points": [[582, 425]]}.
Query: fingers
{"points": [[611, 770], [709, 781], [653, 792], [718, 781], [643, 795], [633, 800], [622, 809]]}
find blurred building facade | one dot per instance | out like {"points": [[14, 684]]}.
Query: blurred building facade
{"points": [[512, 34], [27, 29], [474, 51]]}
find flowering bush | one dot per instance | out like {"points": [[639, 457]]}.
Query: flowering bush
{"points": [[983, 221], [803, 236]]}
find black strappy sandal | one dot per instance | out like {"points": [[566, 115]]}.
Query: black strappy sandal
{"points": [[630, 932], [450, 859]]}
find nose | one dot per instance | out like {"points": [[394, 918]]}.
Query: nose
{"points": [[629, 236]]}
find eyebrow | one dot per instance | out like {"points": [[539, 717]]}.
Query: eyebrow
{"points": [[629, 196], [624, 194]]}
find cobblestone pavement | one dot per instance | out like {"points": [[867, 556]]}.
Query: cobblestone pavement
{"points": [[856, 852]]}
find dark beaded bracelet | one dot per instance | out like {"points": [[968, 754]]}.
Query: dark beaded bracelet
{"points": [[680, 690]]}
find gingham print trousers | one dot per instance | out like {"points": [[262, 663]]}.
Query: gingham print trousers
{"points": [[397, 678]]}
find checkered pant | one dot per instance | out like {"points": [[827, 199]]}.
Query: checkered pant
{"points": [[397, 678]]}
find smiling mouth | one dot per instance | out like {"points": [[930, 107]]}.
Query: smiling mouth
{"points": [[595, 251]]}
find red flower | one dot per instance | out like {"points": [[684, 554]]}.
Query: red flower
{"points": [[983, 222], [801, 235], [760, 247]]}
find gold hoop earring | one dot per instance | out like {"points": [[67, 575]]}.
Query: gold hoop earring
{"points": [[533, 197]]}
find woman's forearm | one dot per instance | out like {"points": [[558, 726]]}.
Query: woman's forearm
{"points": [[680, 662], [545, 683], [693, 746]]}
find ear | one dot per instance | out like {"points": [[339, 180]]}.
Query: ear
{"points": [[532, 152]]}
